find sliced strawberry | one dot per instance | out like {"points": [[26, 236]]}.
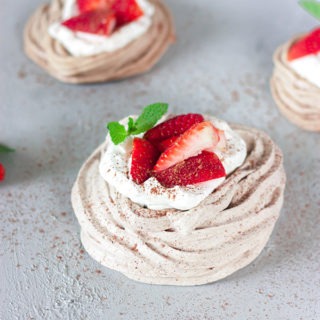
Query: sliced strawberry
{"points": [[165, 144], [100, 22], [203, 167], [307, 45], [173, 127], [126, 11], [88, 5], [2, 172], [201, 136], [144, 156]]}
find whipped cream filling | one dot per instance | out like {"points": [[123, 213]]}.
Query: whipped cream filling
{"points": [[115, 169], [308, 67], [87, 44]]}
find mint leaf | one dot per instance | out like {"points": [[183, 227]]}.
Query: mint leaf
{"points": [[131, 126], [312, 7], [5, 149], [117, 132], [149, 117]]}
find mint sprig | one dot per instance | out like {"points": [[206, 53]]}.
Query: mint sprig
{"points": [[117, 132], [5, 149], [312, 7], [149, 117]]}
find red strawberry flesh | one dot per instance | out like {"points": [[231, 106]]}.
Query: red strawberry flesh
{"points": [[126, 11], [88, 5], [101, 22], [165, 144], [201, 136], [203, 167], [144, 157], [307, 45], [173, 127]]}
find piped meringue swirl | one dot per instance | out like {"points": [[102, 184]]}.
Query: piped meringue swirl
{"points": [[137, 57], [224, 233], [296, 97]]}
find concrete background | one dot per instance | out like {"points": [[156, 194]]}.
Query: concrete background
{"points": [[220, 64]]}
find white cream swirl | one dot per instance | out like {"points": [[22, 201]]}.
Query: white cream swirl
{"points": [[224, 233], [114, 169], [308, 67], [81, 44]]}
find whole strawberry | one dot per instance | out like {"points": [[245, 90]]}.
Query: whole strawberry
{"points": [[2, 172], [3, 149]]}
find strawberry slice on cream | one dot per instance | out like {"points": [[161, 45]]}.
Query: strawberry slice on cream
{"points": [[201, 136], [101, 22], [101, 17], [203, 167], [307, 45], [304, 57], [143, 158]]}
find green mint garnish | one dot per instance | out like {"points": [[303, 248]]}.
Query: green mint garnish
{"points": [[311, 6], [149, 117], [5, 149], [117, 132], [130, 124]]}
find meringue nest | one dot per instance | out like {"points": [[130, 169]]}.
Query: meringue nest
{"points": [[137, 57], [224, 233], [296, 97]]}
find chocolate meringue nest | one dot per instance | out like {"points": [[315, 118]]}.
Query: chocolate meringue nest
{"points": [[137, 57], [223, 234], [296, 97]]}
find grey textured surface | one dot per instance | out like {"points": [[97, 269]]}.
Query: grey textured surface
{"points": [[221, 65]]}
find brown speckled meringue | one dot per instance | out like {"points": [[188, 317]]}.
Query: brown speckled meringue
{"points": [[296, 97], [137, 57], [221, 235]]}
